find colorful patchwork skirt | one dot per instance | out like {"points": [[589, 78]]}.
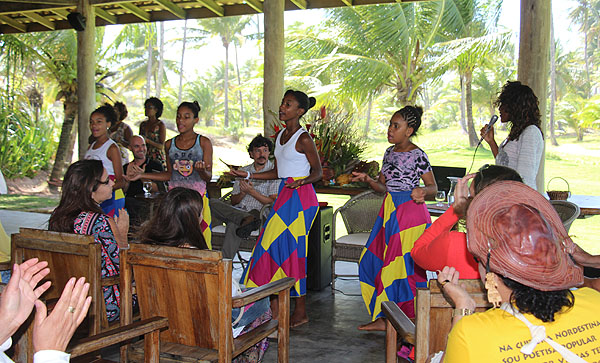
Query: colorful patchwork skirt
{"points": [[283, 241], [205, 225], [111, 206], [386, 269]]}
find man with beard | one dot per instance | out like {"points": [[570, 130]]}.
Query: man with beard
{"points": [[242, 216]]}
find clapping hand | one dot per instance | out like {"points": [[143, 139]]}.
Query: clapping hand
{"points": [[295, 184], [461, 195], [246, 186], [418, 195], [20, 294], [133, 173], [448, 280], [200, 166], [360, 177], [54, 331]]}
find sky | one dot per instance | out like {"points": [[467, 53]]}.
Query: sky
{"points": [[197, 62]]}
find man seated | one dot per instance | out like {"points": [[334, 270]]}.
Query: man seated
{"points": [[242, 216], [138, 209]]}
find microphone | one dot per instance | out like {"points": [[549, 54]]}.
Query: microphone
{"points": [[489, 126]]}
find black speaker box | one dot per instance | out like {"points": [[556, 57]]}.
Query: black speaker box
{"points": [[319, 250], [77, 21]]}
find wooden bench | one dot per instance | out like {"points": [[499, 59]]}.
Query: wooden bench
{"points": [[193, 289]]}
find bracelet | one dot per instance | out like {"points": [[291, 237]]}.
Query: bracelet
{"points": [[462, 312], [247, 176]]}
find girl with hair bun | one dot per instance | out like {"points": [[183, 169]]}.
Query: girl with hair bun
{"points": [[386, 270], [107, 151], [281, 249], [189, 161]]}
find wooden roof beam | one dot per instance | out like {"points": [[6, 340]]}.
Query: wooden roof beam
{"points": [[136, 11], [172, 8], [213, 6], [101, 13], [46, 2], [13, 23], [347, 2], [300, 4], [40, 19], [61, 13], [255, 4]]}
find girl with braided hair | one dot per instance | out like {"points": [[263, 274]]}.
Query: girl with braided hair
{"points": [[386, 269]]}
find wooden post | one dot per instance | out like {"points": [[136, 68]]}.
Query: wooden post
{"points": [[534, 47], [86, 68], [273, 67]]}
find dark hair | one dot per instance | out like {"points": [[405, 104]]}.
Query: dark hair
{"points": [[156, 103], [121, 110], [490, 174], [176, 220], [81, 179], [412, 116], [304, 102], [542, 304], [194, 106], [521, 104], [108, 112], [260, 141]]}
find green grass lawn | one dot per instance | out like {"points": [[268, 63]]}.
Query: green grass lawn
{"points": [[28, 203]]}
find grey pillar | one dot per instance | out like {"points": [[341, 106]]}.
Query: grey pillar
{"points": [[274, 56], [534, 48], [86, 68]]}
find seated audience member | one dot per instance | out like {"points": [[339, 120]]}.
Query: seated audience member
{"points": [[51, 333], [183, 207], [86, 184], [138, 209], [441, 245], [522, 249], [242, 215]]}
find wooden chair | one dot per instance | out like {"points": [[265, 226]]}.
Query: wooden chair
{"points": [[71, 255], [359, 215], [193, 289], [567, 211], [429, 332]]}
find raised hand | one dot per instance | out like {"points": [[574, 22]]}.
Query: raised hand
{"points": [[54, 331], [461, 194]]}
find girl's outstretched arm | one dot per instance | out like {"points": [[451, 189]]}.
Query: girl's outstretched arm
{"points": [[377, 185]]}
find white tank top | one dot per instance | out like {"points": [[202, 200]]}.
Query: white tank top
{"points": [[100, 154], [291, 163]]}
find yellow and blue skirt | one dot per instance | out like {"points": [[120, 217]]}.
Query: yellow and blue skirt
{"points": [[386, 270], [283, 241]]}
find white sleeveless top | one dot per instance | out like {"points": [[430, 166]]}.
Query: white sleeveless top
{"points": [[291, 163], [100, 154]]}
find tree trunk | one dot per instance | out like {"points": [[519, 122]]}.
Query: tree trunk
{"points": [[463, 124], [149, 68], [226, 84], [237, 69], [61, 160], [469, 105], [181, 63], [369, 107], [161, 60], [552, 83]]}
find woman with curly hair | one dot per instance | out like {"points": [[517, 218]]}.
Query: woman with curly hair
{"points": [[522, 149]]}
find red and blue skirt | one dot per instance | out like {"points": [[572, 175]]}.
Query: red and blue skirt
{"points": [[386, 270], [283, 241]]}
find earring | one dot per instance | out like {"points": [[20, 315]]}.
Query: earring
{"points": [[492, 289]]}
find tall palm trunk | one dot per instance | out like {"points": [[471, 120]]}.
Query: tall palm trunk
{"points": [[66, 141], [149, 69], [369, 107], [181, 63], [552, 82], [469, 105], [463, 123], [161, 60], [226, 83], [237, 69]]}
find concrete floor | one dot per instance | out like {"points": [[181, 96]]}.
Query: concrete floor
{"points": [[331, 334]]}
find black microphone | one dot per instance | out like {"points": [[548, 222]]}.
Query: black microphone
{"points": [[489, 126]]}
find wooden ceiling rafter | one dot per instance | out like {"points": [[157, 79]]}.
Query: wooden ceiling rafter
{"points": [[40, 19], [103, 14], [172, 8], [22, 28], [142, 14]]}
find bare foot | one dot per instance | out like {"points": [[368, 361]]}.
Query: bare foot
{"points": [[297, 319], [377, 325]]}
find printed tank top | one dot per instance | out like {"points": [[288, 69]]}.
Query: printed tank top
{"points": [[183, 173]]}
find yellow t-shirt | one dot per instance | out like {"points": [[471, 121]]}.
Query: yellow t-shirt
{"points": [[497, 336]]}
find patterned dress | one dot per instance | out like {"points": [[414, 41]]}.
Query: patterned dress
{"points": [[154, 135], [386, 270], [96, 224]]}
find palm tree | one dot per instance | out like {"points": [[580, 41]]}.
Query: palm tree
{"points": [[227, 29]]}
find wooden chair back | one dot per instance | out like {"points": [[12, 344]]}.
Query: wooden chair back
{"points": [[434, 316], [67, 255], [191, 287]]}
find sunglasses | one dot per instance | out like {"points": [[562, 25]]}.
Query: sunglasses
{"points": [[110, 177]]}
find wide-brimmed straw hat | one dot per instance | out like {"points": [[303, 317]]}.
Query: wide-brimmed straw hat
{"points": [[523, 235]]}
